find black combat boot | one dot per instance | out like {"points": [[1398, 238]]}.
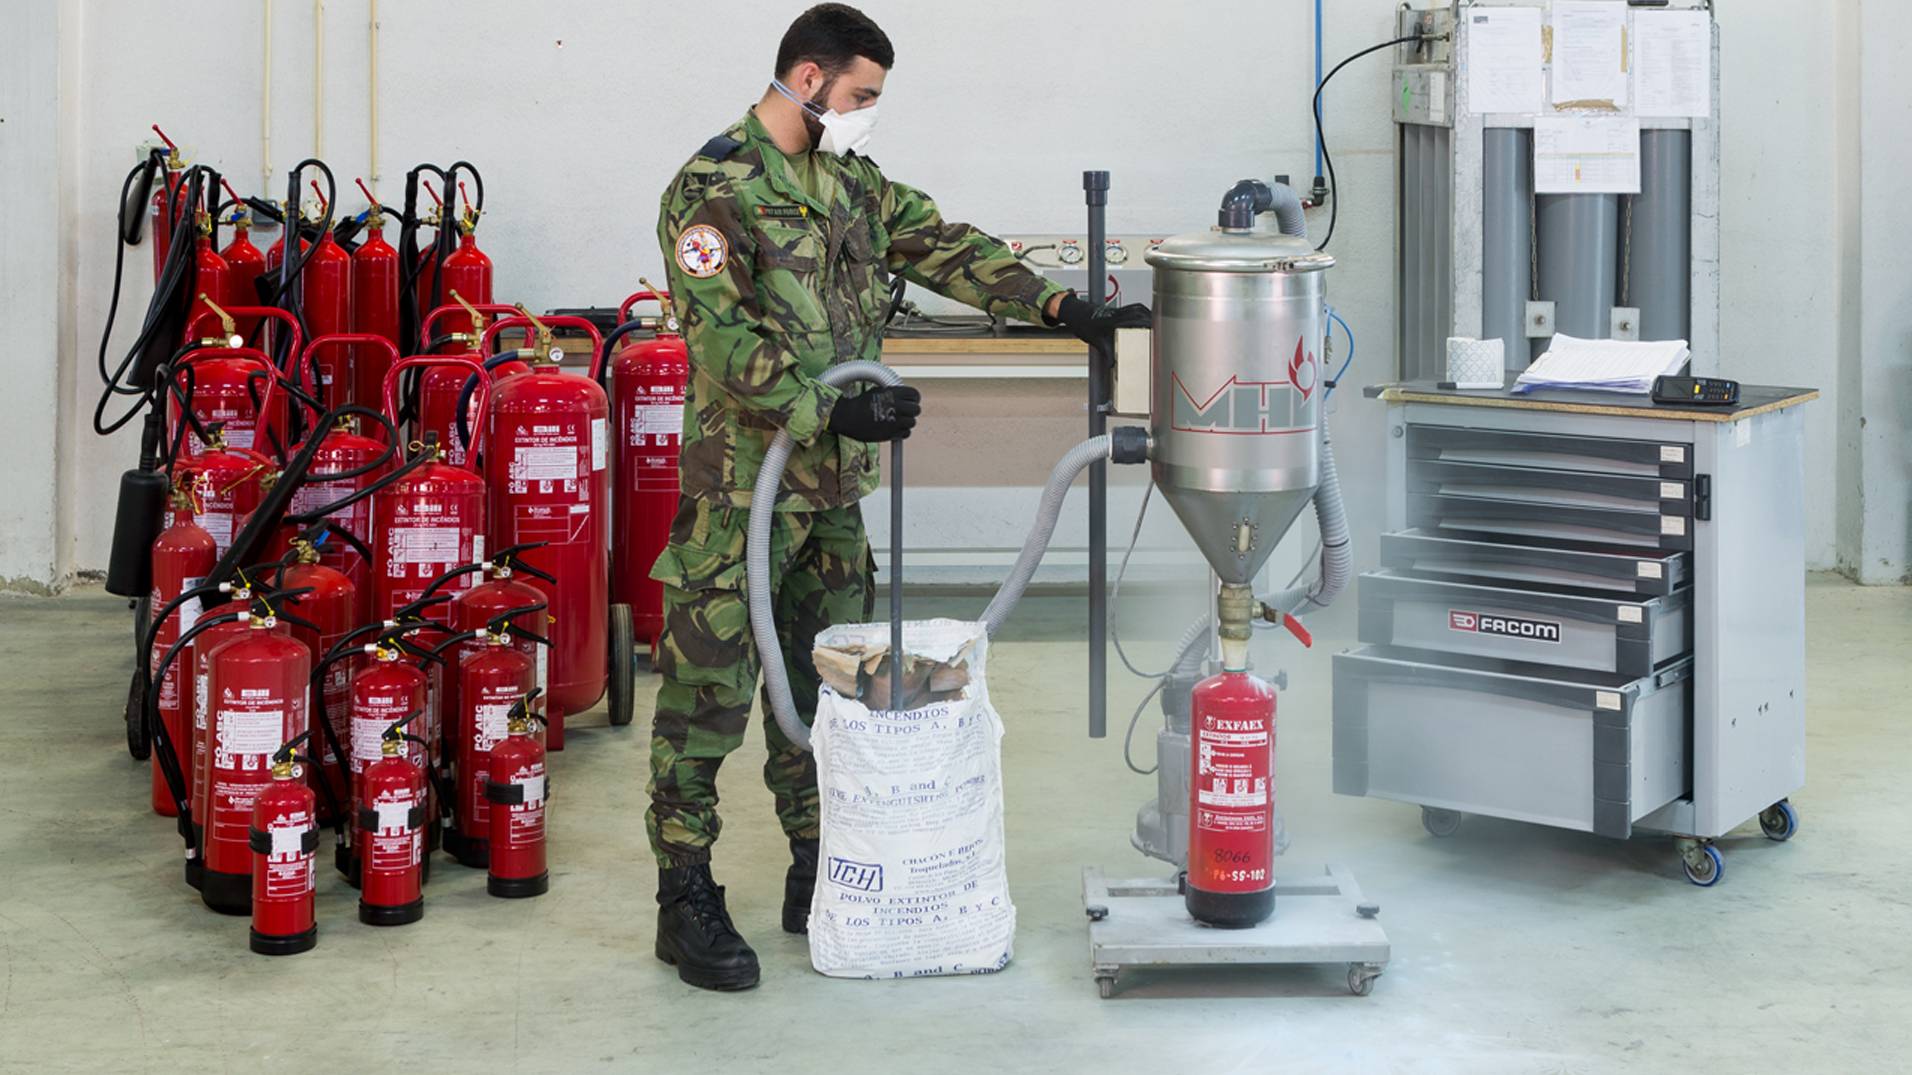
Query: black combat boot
{"points": [[798, 885], [694, 933]]}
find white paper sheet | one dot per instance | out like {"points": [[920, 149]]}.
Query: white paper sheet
{"points": [[1603, 365], [1586, 155], [1590, 52], [1673, 64], [1504, 60]]}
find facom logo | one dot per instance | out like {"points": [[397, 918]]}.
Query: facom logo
{"points": [[1506, 626], [1250, 408]]}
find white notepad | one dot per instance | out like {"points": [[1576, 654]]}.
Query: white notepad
{"points": [[1603, 365]]}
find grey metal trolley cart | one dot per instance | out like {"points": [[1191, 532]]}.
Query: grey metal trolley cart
{"points": [[1589, 614]]}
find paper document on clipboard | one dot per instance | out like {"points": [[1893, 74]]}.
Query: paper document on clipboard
{"points": [[1586, 155]]}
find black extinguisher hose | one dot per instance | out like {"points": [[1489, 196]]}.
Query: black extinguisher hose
{"points": [[357, 495]]}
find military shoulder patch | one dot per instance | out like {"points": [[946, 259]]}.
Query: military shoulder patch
{"points": [[719, 147], [702, 251]]}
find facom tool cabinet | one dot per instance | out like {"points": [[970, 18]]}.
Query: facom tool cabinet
{"points": [[1589, 613]]}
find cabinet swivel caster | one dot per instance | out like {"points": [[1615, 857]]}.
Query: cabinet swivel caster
{"points": [[1779, 821], [1440, 822], [1361, 978], [1701, 861]]}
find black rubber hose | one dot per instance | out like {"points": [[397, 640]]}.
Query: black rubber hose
{"points": [[463, 414], [167, 754], [357, 495], [610, 341], [1334, 188], [265, 518]]}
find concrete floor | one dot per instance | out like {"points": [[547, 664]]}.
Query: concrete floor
{"points": [[1516, 948]]}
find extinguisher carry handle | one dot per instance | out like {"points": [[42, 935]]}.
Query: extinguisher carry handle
{"points": [[420, 361], [250, 354], [624, 308], [552, 321], [345, 339], [495, 309], [269, 313]]}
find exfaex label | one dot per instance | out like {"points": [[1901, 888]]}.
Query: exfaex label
{"points": [[1487, 623]]}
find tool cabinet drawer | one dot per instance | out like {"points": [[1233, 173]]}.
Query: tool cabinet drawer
{"points": [[1555, 451], [1535, 522], [1552, 488], [1576, 750], [1643, 572], [1625, 634]]}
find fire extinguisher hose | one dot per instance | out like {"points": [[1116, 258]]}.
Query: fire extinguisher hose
{"points": [[167, 753]]}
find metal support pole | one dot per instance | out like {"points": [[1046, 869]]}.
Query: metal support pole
{"points": [[896, 574], [1095, 191]]}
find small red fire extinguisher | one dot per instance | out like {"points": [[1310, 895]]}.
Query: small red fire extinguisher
{"points": [[516, 789], [491, 681], [285, 845], [1231, 840], [392, 816], [183, 556]]}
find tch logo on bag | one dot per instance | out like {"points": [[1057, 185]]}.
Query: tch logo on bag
{"points": [[1505, 626], [862, 876]]}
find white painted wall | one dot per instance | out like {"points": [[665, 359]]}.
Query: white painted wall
{"points": [[578, 112]]}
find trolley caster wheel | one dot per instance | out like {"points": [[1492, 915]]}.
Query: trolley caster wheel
{"points": [[1105, 985], [1440, 822], [623, 662], [139, 741], [1702, 864], [1361, 978], [1779, 821]]}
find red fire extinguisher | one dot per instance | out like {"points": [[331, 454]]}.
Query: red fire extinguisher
{"points": [[212, 276], [1231, 842], [490, 682], [167, 193], [374, 276], [285, 843], [256, 691], [211, 634], [324, 301], [387, 688], [328, 606], [441, 390], [245, 263], [431, 520], [183, 556], [547, 469], [466, 270], [516, 790], [347, 463], [229, 481], [222, 384], [647, 415], [392, 815], [499, 595]]}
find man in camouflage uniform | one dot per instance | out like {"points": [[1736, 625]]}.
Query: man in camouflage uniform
{"points": [[781, 242]]}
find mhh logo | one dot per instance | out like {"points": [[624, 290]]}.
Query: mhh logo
{"points": [[1250, 408]]}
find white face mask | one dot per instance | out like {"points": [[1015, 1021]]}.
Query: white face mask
{"points": [[843, 132]]}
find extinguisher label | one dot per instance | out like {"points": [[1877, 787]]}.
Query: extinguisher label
{"points": [[491, 724], [1231, 775], [655, 420], [556, 524], [250, 731], [366, 733], [216, 520], [237, 434], [428, 545], [394, 846], [600, 450], [545, 464], [541, 658], [527, 819], [188, 613]]}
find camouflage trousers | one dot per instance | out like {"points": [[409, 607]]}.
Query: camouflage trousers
{"points": [[820, 574]]}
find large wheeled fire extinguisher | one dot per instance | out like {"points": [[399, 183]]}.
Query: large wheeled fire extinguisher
{"points": [[429, 522], [490, 682], [1231, 840], [182, 558], [646, 386], [547, 470], [516, 789], [285, 852], [374, 305], [392, 816], [256, 691]]}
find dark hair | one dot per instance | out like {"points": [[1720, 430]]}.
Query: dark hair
{"points": [[833, 36]]}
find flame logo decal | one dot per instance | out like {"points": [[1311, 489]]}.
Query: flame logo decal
{"points": [[1301, 370]]}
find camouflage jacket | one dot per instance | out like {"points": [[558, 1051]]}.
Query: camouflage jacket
{"points": [[772, 286]]}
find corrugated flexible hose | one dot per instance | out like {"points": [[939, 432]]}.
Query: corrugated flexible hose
{"points": [[763, 627]]}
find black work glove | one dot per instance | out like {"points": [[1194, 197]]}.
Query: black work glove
{"points": [[1096, 325], [878, 414]]}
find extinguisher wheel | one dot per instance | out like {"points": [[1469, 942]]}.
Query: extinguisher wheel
{"points": [[138, 743], [623, 659]]}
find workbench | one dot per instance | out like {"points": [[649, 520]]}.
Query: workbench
{"points": [[1589, 614]]}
